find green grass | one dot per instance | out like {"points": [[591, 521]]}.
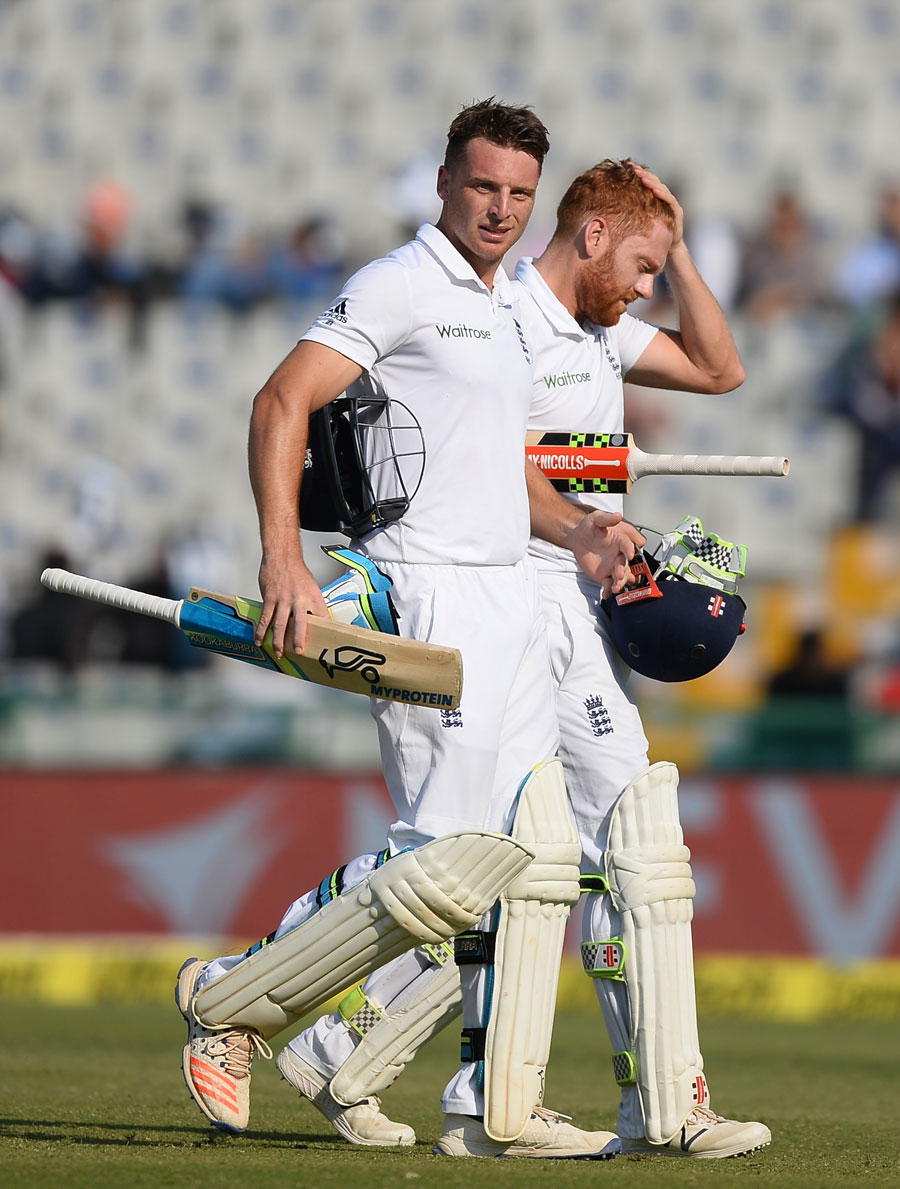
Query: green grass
{"points": [[94, 1096]]}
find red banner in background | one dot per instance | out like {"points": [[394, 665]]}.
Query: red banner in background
{"points": [[783, 864]]}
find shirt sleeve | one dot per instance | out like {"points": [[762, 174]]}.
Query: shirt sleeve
{"points": [[633, 337], [371, 316]]}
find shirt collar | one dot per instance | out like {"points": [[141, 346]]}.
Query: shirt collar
{"points": [[459, 268], [551, 307]]}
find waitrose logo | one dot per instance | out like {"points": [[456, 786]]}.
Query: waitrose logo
{"points": [[462, 332], [566, 378]]}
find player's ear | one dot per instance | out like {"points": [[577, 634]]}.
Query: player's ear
{"points": [[596, 236], [443, 183]]}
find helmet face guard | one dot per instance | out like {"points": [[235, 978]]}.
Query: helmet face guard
{"points": [[364, 461], [672, 629]]}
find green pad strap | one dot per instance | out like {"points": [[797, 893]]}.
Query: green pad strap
{"points": [[359, 1012], [624, 1069], [593, 883], [604, 959], [440, 954]]}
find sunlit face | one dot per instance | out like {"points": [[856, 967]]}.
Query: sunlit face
{"points": [[606, 285], [488, 198]]}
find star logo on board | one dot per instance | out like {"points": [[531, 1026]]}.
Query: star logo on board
{"points": [[196, 874]]}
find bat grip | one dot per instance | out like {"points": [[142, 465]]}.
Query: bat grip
{"points": [[113, 596], [708, 464]]}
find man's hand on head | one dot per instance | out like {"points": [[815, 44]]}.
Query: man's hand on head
{"points": [[662, 191]]}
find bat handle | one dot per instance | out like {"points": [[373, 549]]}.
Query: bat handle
{"points": [[113, 596], [640, 464]]}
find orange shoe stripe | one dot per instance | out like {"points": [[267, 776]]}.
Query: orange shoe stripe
{"points": [[212, 1078]]}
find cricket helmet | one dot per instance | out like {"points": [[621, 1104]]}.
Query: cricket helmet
{"points": [[682, 618], [364, 462]]}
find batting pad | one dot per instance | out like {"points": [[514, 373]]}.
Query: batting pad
{"points": [[649, 875], [422, 896], [534, 910], [391, 1037]]}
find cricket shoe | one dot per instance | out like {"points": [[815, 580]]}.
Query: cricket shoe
{"points": [[705, 1136], [216, 1063], [546, 1136], [362, 1123]]}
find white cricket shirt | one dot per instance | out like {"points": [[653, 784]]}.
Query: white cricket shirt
{"points": [[434, 338], [578, 378]]}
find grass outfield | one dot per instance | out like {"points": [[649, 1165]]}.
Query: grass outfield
{"points": [[94, 1096]]}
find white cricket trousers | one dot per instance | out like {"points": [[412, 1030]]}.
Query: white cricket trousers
{"points": [[460, 769], [603, 748]]}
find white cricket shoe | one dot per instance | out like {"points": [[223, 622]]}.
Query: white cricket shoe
{"points": [[216, 1064], [546, 1136], [705, 1136], [362, 1123]]}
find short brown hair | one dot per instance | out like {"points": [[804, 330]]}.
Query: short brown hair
{"points": [[612, 189], [501, 125]]}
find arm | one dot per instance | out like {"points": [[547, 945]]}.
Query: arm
{"points": [[701, 356], [602, 542], [309, 378]]}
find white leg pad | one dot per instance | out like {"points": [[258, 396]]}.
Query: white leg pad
{"points": [[649, 875], [391, 1036], [534, 910], [421, 896]]}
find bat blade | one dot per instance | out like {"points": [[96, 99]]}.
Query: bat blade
{"points": [[585, 463], [337, 655], [582, 462]]}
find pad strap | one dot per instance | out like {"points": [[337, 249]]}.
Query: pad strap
{"points": [[604, 959], [475, 948], [472, 1044], [359, 1011]]}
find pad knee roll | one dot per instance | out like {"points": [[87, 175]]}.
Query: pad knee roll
{"points": [[421, 896]]}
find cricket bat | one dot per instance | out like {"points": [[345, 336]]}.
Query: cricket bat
{"points": [[338, 655], [610, 462]]}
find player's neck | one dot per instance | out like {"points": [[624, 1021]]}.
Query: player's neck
{"points": [[485, 270], [556, 266]]}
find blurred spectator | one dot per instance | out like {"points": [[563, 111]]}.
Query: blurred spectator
{"points": [[863, 386], [782, 266], [71, 632], [217, 265], [810, 673], [53, 627], [311, 266], [806, 721], [872, 271], [18, 249], [100, 266]]}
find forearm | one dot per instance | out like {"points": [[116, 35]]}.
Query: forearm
{"points": [[553, 517], [276, 448], [704, 332]]}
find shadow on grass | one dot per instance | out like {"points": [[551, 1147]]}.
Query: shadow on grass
{"points": [[131, 1134]]}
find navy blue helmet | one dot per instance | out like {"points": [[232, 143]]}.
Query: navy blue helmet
{"points": [[671, 629]]}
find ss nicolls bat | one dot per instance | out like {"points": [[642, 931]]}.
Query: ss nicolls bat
{"points": [[338, 655], [610, 462]]}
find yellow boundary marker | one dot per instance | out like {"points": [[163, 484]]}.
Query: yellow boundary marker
{"points": [[83, 971]]}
